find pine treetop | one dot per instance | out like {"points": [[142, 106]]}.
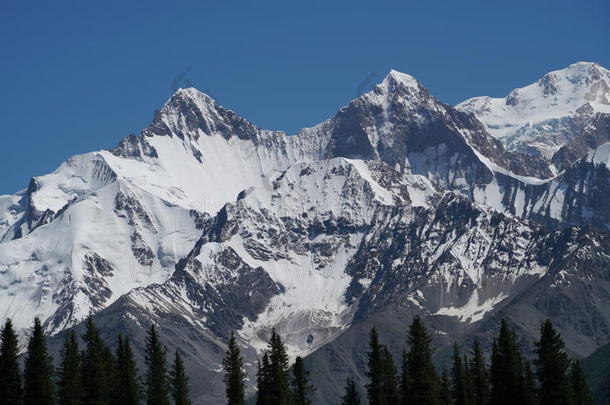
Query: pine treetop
{"points": [[422, 379], [96, 367], [126, 386], [157, 390], [233, 364], [38, 384], [302, 389], [179, 382], [69, 372], [581, 394], [10, 375], [352, 396], [552, 367]]}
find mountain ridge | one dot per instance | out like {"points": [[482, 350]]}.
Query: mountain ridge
{"points": [[204, 223]]}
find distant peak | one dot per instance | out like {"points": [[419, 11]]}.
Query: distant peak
{"points": [[193, 93], [399, 77], [190, 98], [583, 64], [578, 72]]}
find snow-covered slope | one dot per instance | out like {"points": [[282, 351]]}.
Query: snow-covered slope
{"points": [[545, 115], [206, 223], [107, 222], [600, 156]]}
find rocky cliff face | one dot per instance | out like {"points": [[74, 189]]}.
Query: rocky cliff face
{"points": [[398, 205]]}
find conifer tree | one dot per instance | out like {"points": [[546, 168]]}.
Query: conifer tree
{"points": [[469, 381], [352, 396], [179, 382], [10, 377], [95, 368], [506, 369], [552, 367], [445, 389], [479, 375], [156, 370], [38, 383], [126, 386], [278, 387], [422, 380], [262, 381], [374, 388], [403, 388], [234, 374], [528, 386], [580, 389], [109, 365], [458, 378], [69, 384], [390, 391], [302, 389]]}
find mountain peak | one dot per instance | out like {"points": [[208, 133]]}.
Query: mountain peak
{"points": [[586, 66], [190, 112], [397, 77], [573, 77], [543, 116], [193, 95]]}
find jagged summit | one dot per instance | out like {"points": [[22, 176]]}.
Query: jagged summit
{"points": [[588, 71], [190, 98], [544, 116], [399, 77], [578, 78], [398, 204], [397, 87]]}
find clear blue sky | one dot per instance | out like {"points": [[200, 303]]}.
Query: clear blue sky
{"points": [[78, 76]]}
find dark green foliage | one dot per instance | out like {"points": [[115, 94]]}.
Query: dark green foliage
{"points": [[458, 378], [96, 368], [581, 394], [597, 370], [390, 381], [422, 382], [234, 374], [445, 389], [403, 379], [96, 377], [478, 376], [273, 375], [10, 377], [156, 386], [528, 385], [351, 397], [179, 382], [38, 384], [552, 367], [69, 384], [126, 388], [468, 382], [278, 387], [302, 389], [374, 389], [262, 381], [506, 369]]}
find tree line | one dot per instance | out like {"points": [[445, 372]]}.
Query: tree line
{"points": [[93, 375], [552, 378], [276, 382]]}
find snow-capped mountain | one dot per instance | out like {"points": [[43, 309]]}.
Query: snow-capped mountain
{"points": [[399, 204], [544, 116]]}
